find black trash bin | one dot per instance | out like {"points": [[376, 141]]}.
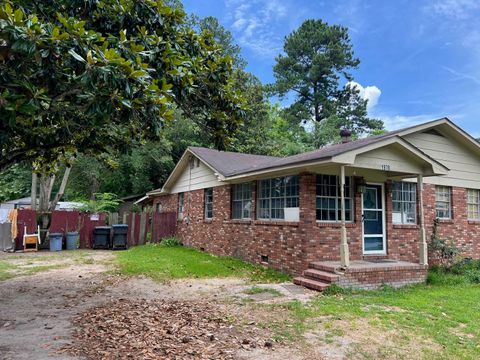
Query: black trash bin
{"points": [[119, 238], [101, 237]]}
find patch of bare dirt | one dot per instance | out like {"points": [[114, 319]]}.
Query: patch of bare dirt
{"points": [[40, 313], [360, 339]]}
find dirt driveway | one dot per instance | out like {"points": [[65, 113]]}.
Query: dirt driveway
{"points": [[55, 297]]}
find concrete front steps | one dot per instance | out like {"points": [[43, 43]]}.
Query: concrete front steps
{"points": [[317, 277]]}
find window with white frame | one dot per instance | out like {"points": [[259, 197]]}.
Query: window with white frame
{"points": [[328, 198], [404, 202], [274, 195], [473, 204], [242, 201], [209, 203], [443, 202], [181, 204]]}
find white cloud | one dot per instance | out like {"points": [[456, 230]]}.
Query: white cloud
{"points": [[394, 122], [370, 93], [462, 76], [459, 9], [253, 23]]}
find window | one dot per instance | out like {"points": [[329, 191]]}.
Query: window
{"points": [[181, 204], [241, 201], [328, 198], [159, 207], [274, 195], [404, 201], [209, 203], [473, 204], [443, 202]]}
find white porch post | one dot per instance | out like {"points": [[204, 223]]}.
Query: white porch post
{"points": [[344, 252], [423, 234]]}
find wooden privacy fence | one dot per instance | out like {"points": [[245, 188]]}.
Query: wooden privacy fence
{"points": [[142, 227]]}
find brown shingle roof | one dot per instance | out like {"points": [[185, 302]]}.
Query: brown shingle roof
{"points": [[231, 163]]}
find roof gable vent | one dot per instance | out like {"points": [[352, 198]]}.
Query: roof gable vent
{"points": [[433, 132]]}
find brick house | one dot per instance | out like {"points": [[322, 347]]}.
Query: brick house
{"points": [[359, 213]]}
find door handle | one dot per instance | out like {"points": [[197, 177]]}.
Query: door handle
{"points": [[363, 218]]}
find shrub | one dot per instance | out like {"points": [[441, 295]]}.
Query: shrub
{"points": [[461, 272], [473, 276], [170, 242], [445, 250]]}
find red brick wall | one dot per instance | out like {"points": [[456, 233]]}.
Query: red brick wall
{"points": [[291, 246]]}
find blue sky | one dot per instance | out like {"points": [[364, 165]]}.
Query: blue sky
{"points": [[420, 59]]}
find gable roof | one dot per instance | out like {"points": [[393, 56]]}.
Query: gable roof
{"points": [[229, 165]]}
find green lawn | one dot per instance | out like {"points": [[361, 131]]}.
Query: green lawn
{"points": [[166, 263], [440, 321], [5, 270]]}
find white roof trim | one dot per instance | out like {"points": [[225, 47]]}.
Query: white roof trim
{"points": [[443, 121], [348, 158], [179, 168]]}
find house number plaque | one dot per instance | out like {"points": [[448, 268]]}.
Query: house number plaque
{"points": [[386, 167]]}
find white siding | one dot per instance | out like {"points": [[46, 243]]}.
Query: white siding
{"points": [[464, 165], [199, 177]]}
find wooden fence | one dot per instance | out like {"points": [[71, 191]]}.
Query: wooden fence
{"points": [[142, 227]]}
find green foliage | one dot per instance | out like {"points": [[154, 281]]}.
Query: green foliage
{"points": [[170, 242], [223, 37], [106, 202], [317, 56], [262, 290], [465, 271], [445, 249], [444, 316], [104, 75], [167, 263], [15, 182]]}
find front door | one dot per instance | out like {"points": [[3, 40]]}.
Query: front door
{"points": [[373, 215]]}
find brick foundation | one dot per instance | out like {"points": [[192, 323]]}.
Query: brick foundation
{"points": [[291, 247], [374, 278]]}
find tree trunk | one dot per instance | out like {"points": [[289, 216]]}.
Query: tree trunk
{"points": [[60, 192], [33, 195], [43, 214]]}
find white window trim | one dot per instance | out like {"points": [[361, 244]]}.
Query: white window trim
{"points": [[242, 200], [477, 204], [205, 210], [259, 198], [449, 202], [351, 198], [181, 205], [402, 202]]}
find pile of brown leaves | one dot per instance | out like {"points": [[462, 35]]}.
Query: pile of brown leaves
{"points": [[127, 329]]}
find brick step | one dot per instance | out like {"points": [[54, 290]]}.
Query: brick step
{"points": [[325, 267], [311, 284], [325, 276]]}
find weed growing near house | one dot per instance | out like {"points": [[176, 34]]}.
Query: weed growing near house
{"points": [[460, 273], [170, 242], [165, 263]]}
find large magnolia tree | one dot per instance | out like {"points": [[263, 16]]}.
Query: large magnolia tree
{"points": [[96, 76], [86, 76]]}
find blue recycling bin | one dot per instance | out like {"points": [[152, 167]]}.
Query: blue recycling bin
{"points": [[71, 241], [55, 240]]}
